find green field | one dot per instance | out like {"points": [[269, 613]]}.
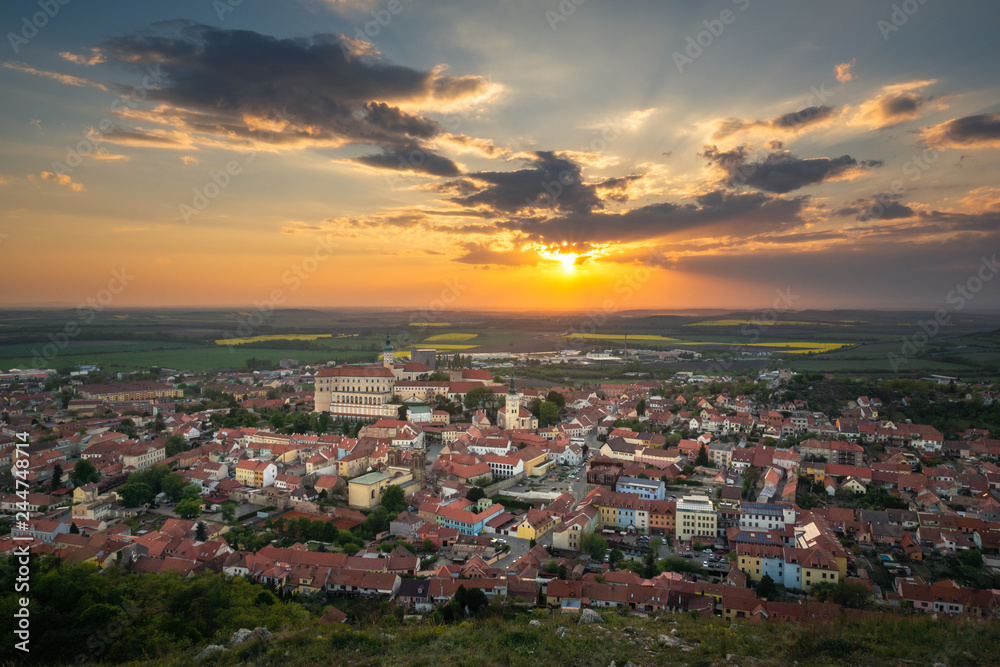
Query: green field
{"points": [[450, 337], [859, 343]]}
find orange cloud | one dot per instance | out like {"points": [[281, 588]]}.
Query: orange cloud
{"points": [[62, 179], [78, 81], [894, 104], [980, 131], [95, 57], [845, 71]]}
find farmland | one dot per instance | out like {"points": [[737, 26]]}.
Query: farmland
{"points": [[813, 341]]}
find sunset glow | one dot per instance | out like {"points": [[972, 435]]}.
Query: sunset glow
{"points": [[368, 167]]}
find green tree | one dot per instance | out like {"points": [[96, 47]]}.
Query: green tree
{"points": [[393, 499], [229, 510], [535, 406], [429, 546], [188, 509], [548, 414], [175, 445], [200, 534], [177, 488], [480, 397], [640, 407], [475, 493], [84, 472], [555, 397], [73, 529], [847, 593], [702, 458], [128, 427], [616, 556], [57, 475], [767, 588], [594, 545], [971, 558], [135, 494]]}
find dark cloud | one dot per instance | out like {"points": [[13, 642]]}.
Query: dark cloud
{"points": [[789, 122], [485, 253], [880, 207], [980, 131], [828, 273], [550, 181], [714, 212], [410, 158], [894, 104], [233, 82], [779, 171]]}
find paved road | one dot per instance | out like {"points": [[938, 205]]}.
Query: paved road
{"points": [[518, 548]]}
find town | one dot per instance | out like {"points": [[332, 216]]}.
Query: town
{"points": [[413, 481]]}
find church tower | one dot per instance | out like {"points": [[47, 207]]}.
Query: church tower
{"points": [[387, 358], [512, 410]]}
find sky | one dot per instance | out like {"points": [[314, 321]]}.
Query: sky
{"points": [[511, 154]]}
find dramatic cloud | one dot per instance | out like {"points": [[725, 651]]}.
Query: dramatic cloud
{"points": [[496, 254], [324, 90], [78, 81], [716, 212], [789, 123], [893, 105], [411, 157], [550, 181], [879, 207], [780, 171], [981, 131], [844, 71]]}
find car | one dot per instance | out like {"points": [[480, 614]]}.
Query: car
{"points": [[707, 551]]}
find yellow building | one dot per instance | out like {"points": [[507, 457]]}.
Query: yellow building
{"points": [[818, 567], [750, 565], [256, 474], [533, 458], [535, 524], [365, 492], [357, 391]]}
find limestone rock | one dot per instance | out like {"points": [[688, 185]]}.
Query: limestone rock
{"points": [[209, 650], [240, 636]]}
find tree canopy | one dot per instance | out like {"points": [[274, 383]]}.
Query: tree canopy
{"points": [[393, 499], [594, 545]]}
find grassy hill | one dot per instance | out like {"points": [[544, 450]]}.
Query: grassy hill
{"points": [[80, 615]]}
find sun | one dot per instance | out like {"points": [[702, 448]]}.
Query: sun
{"points": [[568, 261]]}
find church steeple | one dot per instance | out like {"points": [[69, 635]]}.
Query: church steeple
{"points": [[387, 355], [512, 410]]}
